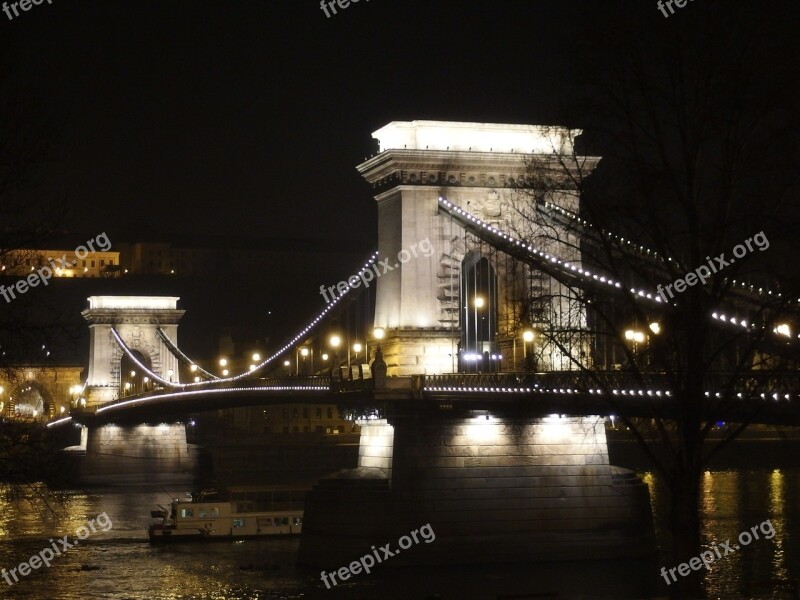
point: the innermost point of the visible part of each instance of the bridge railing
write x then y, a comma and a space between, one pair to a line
767, 382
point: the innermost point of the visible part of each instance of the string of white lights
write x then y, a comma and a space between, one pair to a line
178, 353
552, 261
231, 390
300, 336
644, 251
155, 376
592, 391
566, 267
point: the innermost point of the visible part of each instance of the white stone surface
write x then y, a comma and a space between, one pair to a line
476, 137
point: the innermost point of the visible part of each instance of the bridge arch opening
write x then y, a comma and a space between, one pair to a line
30, 402
132, 379
478, 300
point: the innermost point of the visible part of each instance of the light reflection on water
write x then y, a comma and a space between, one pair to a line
735, 501
127, 568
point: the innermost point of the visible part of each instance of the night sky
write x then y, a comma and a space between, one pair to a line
224, 117
247, 118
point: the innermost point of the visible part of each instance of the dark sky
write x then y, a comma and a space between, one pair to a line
248, 117
251, 115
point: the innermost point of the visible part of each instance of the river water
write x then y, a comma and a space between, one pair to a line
119, 563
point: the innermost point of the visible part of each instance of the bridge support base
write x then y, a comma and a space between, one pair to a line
135, 454
503, 489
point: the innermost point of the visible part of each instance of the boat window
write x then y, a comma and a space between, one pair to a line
238, 522
186, 512
297, 520
283, 520
265, 522
215, 512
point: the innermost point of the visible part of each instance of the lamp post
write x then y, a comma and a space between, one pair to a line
335, 341
304, 352
527, 337
477, 303
636, 337
378, 334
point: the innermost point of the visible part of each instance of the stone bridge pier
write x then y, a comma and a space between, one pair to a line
508, 487
134, 455
131, 454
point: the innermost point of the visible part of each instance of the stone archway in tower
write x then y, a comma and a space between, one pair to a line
29, 401
478, 310
132, 380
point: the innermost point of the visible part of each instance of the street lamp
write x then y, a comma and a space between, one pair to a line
783, 329
304, 352
256, 357
655, 327
478, 302
637, 337
335, 341
357, 348
527, 337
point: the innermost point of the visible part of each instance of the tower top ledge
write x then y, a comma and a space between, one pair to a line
134, 302
475, 137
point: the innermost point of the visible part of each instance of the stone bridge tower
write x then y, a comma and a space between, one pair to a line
495, 478
423, 303
137, 320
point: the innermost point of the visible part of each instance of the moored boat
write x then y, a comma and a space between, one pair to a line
245, 514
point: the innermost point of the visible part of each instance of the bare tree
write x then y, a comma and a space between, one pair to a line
699, 149
30, 326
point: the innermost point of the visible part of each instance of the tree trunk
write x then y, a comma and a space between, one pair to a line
684, 525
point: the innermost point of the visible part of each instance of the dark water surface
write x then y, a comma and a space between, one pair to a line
120, 564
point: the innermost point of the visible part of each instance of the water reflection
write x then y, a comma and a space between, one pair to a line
733, 502
128, 568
